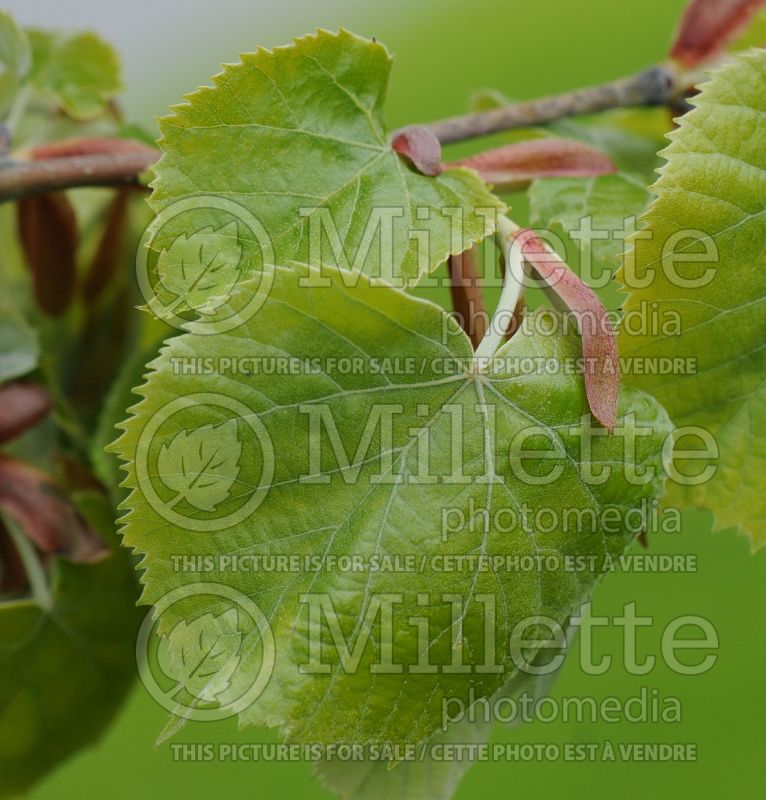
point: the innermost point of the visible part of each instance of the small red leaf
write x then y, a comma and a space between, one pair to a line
48, 232
418, 145
22, 406
45, 515
601, 368
513, 166
707, 26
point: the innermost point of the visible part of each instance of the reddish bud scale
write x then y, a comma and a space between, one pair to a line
513, 166
707, 26
601, 365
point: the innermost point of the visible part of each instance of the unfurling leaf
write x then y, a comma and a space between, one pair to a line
201, 270
707, 26
201, 465
514, 166
421, 148
22, 406
45, 514
48, 233
599, 348
701, 261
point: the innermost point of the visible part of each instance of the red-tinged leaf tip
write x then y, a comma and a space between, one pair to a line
22, 406
707, 26
45, 515
419, 146
601, 365
88, 147
48, 233
513, 166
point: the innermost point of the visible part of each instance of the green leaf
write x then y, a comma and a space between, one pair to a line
15, 60
66, 669
431, 778
370, 493
81, 72
713, 187
19, 348
302, 128
201, 270
589, 216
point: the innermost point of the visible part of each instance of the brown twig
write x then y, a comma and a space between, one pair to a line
118, 166
654, 87
22, 178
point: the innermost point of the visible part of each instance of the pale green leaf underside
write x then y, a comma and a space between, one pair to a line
301, 127
560, 205
715, 182
356, 514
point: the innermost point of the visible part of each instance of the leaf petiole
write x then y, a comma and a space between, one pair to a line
513, 289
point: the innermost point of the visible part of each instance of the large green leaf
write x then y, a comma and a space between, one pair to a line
714, 186
372, 494
65, 668
302, 128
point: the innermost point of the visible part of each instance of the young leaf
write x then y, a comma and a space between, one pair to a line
371, 491
296, 137
514, 166
80, 72
701, 259
708, 26
66, 669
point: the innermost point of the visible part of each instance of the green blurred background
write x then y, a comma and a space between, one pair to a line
444, 50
